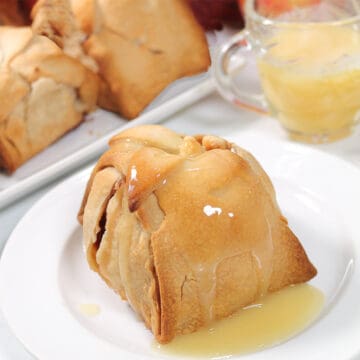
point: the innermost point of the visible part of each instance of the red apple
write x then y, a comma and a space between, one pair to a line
29, 4
277, 7
212, 14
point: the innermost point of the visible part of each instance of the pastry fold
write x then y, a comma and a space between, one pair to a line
141, 46
44, 89
186, 229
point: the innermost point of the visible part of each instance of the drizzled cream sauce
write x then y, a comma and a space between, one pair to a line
272, 320
89, 309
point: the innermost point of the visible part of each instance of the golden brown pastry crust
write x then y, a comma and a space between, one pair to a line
141, 46
187, 229
44, 93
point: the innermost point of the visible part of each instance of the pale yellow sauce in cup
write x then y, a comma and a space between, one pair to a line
311, 79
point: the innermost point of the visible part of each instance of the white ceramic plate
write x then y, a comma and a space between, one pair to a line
44, 277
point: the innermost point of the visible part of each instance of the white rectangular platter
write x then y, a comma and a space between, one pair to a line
91, 137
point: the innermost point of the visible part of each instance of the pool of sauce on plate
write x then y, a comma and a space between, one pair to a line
89, 309
272, 320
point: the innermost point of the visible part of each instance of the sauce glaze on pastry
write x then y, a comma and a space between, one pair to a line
187, 229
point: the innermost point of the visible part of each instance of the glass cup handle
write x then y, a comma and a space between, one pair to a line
225, 69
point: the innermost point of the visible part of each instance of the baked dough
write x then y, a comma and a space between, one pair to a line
141, 46
44, 90
187, 229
